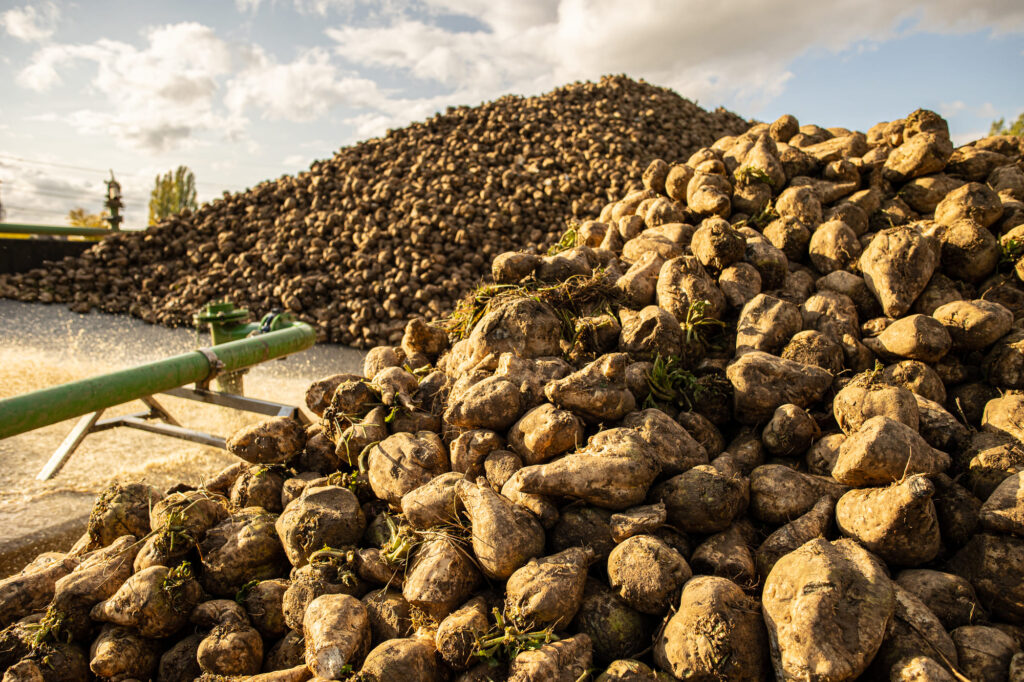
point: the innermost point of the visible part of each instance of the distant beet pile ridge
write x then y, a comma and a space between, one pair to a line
763, 418
395, 227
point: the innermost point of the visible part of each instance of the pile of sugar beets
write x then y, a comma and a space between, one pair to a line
761, 418
394, 227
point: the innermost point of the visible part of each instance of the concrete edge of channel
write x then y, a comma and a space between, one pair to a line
59, 537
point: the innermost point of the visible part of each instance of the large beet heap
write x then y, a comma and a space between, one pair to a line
395, 227
764, 414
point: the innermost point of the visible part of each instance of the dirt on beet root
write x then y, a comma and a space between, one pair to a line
759, 415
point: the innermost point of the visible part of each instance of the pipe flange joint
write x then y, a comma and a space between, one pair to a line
216, 367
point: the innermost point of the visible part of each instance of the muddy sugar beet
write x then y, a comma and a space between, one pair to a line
396, 227
759, 416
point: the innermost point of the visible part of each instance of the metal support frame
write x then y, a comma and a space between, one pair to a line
158, 420
54, 404
244, 346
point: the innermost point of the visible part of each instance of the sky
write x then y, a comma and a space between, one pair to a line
245, 90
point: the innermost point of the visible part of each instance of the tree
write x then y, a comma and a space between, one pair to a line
1016, 128
77, 217
172, 194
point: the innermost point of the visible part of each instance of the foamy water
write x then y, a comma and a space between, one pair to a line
44, 346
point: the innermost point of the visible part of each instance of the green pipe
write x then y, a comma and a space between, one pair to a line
55, 404
64, 230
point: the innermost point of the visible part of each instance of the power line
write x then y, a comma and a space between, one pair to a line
50, 163
34, 209
84, 195
88, 169
81, 194
34, 212
101, 170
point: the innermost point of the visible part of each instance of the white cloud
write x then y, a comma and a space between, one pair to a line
948, 109
501, 15
302, 90
455, 59
968, 136
370, 124
296, 161
521, 13
31, 23
985, 110
736, 52
154, 97
185, 85
999, 16
348, 8
43, 71
37, 195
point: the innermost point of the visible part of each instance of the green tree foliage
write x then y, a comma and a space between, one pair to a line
77, 217
1000, 128
172, 193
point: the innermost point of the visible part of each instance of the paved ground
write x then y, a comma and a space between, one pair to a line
43, 345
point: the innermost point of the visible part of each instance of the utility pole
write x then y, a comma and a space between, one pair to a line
114, 203
3, 211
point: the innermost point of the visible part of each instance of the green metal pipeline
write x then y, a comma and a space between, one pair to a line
61, 230
51, 405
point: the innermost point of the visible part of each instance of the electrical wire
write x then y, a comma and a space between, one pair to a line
34, 211
22, 159
32, 208
39, 162
83, 194
63, 192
